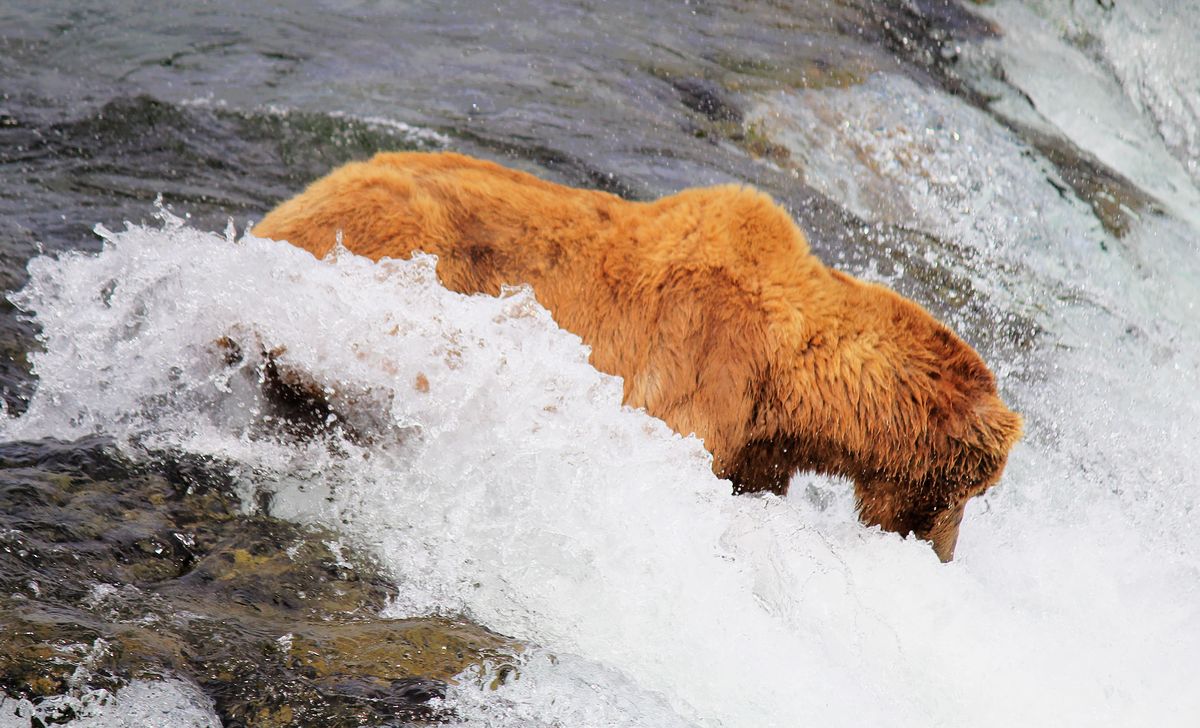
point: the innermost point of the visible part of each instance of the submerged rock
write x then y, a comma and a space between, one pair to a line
112, 571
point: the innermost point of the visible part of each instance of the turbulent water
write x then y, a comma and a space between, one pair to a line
497, 476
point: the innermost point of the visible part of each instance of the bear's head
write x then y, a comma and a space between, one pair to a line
930, 429
877, 390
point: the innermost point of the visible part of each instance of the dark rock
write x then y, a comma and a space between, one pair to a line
112, 570
707, 98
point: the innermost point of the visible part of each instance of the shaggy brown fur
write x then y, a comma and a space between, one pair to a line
721, 322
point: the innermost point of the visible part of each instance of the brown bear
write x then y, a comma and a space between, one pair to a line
720, 320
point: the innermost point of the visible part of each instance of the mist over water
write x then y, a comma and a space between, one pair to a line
497, 476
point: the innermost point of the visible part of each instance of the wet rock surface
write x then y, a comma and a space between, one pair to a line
111, 571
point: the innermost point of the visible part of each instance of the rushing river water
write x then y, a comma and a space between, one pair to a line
1030, 171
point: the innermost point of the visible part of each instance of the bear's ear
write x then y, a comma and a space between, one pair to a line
998, 428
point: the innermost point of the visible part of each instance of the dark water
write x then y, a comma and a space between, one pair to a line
226, 108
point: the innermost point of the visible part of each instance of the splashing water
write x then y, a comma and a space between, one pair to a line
505, 481
163, 704
1119, 79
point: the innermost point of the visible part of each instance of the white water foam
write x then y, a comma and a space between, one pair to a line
518, 491
1119, 79
895, 152
140, 704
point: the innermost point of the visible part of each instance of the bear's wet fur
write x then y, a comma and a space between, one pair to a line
712, 308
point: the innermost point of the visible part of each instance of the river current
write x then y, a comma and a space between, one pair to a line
1030, 171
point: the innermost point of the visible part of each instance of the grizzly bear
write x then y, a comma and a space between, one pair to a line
720, 320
